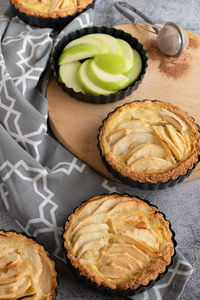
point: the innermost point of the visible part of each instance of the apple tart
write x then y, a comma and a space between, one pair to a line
26, 269
119, 242
149, 142
46, 13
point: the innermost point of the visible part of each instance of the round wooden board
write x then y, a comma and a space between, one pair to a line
177, 80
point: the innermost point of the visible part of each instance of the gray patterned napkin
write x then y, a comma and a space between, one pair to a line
40, 181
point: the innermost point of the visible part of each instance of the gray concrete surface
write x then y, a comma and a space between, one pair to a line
181, 204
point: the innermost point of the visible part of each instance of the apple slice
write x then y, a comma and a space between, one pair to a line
101, 45
145, 150
173, 119
68, 75
150, 163
135, 71
127, 142
112, 43
113, 63
78, 52
106, 80
87, 85
127, 52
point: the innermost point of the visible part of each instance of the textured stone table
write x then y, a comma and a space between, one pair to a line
181, 204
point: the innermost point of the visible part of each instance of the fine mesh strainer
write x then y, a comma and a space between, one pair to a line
171, 38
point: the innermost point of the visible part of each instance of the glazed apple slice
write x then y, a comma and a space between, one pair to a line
68, 75
111, 82
100, 44
147, 150
161, 134
89, 229
126, 261
16, 289
116, 135
132, 140
87, 85
173, 119
113, 271
151, 163
9, 259
176, 137
132, 123
131, 250
145, 236
78, 52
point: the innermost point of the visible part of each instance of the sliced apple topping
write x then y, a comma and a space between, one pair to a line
148, 164
89, 229
116, 135
123, 238
15, 289
125, 261
144, 235
123, 245
132, 123
161, 134
10, 259
176, 138
148, 137
92, 245
113, 271
22, 269
146, 150
188, 141
173, 119
130, 141
132, 250
61, 4
89, 256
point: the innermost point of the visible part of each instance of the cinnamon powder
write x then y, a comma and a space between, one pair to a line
193, 43
174, 67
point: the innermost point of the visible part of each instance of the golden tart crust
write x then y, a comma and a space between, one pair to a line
150, 141
50, 8
26, 269
118, 241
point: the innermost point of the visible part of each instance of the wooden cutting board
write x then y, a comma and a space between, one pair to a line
176, 80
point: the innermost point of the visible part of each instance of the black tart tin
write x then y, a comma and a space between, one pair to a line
49, 255
138, 184
55, 23
117, 292
117, 33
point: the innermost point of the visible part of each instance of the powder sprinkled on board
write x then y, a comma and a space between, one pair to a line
193, 43
174, 67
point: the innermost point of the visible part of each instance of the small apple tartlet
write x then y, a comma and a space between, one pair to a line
50, 13
149, 144
27, 271
119, 242
99, 64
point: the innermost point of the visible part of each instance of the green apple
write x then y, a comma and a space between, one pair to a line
113, 63
78, 52
112, 82
102, 46
134, 73
112, 43
68, 75
127, 52
87, 85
